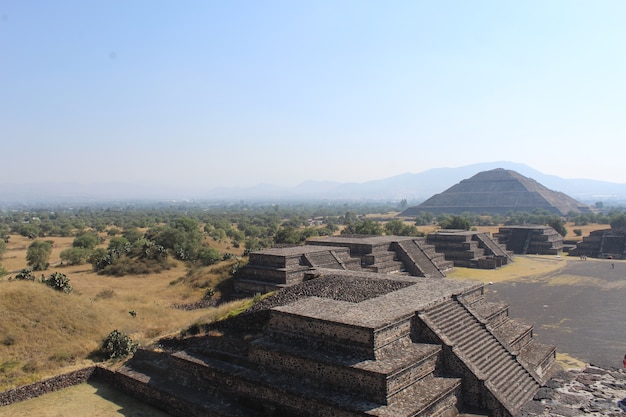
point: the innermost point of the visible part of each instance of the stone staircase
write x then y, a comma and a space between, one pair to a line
516, 336
502, 375
419, 258
383, 262
325, 259
493, 248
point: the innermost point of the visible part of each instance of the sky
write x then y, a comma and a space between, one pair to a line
239, 93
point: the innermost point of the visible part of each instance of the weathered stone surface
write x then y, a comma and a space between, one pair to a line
592, 391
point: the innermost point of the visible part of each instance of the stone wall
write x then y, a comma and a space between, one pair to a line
27, 392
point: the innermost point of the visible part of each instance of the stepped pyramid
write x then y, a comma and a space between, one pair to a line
348, 344
497, 192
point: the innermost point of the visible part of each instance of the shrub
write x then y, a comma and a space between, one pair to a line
118, 345
578, 232
209, 256
105, 294
25, 274
8, 340
59, 282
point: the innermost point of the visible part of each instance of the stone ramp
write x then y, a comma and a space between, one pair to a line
416, 260
324, 259
503, 375
493, 248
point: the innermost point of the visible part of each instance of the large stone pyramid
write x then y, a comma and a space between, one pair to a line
497, 192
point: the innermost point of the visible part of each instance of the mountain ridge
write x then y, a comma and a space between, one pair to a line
413, 187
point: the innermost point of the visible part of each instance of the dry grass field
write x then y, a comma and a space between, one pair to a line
100, 399
45, 332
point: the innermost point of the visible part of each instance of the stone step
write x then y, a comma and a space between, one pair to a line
469, 336
276, 394
175, 399
540, 358
479, 346
493, 363
488, 351
379, 379
443, 311
432, 396
330, 335
519, 390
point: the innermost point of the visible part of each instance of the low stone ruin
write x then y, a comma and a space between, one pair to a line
606, 243
469, 249
533, 240
350, 343
275, 268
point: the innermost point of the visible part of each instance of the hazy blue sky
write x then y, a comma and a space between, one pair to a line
247, 92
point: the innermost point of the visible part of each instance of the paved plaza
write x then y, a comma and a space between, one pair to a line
580, 308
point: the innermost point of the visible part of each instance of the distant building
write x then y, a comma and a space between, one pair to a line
497, 192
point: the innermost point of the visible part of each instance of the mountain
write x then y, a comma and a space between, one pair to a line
412, 187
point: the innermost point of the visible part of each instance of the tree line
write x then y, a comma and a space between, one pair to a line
145, 239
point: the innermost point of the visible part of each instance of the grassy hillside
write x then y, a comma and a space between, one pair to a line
44, 332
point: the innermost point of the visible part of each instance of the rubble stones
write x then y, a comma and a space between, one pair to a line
592, 391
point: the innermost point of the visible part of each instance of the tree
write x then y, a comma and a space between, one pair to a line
86, 241
368, 227
132, 234
399, 228
288, 235
30, 230
99, 259
74, 256
455, 222
424, 218
618, 222
38, 254
557, 224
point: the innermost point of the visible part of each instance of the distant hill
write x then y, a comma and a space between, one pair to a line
412, 187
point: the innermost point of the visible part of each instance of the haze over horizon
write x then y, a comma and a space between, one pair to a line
241, 93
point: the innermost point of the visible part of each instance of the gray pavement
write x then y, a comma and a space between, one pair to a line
581, 309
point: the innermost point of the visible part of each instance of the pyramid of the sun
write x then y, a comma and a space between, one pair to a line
497, 192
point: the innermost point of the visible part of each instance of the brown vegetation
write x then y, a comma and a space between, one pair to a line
45, 332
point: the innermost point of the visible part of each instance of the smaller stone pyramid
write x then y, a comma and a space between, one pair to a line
497, 192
